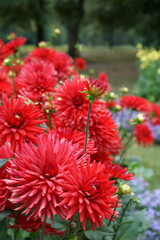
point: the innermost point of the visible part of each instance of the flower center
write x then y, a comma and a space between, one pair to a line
16, 120
50, 171
91, 189
78, 100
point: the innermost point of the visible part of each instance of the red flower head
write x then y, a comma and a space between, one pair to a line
36, 176
103, 77
18, 122
89, 192
135, 102
154, 115
71, 105
117, 172
5, 153
80, 63
76, 137
143, 135
11, 47
33, 225
37, 78
62, 63
103, 131
96, 87
5, 85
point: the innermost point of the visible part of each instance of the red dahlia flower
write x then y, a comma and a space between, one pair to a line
103, 76
33, 225
155, 114
76, 137
10, 47
143, 135
5, 153
103, 131
36, 176
96, 87
80, 63
18, 122
71, 105
37, 78
135, 102
88, 191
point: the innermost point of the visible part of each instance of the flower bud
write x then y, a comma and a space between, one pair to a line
112, 95
7, 62
57, 31
140, 118
42, 44
126, 190
124, 90
117, 107
11, 74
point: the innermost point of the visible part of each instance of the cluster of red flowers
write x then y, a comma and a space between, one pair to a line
148, 115
49, 173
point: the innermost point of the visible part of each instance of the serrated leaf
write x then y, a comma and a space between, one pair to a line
5, 213
3, 161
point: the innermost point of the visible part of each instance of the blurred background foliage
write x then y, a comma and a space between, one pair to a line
90, 22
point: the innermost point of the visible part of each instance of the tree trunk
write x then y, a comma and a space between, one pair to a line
73, 27
40, 33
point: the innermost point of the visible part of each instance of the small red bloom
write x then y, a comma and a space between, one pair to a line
117, 172
33, 225
143, 135
36, 176
9, 48
96, 87
80, 63
135, 102
154, 114
103, 76
18, 122
87, 190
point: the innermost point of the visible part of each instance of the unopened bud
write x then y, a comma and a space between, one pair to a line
42, 44
57, 31
118, 107
112, 95
11, 74
126, 190
124, 90
7, 62
140, 118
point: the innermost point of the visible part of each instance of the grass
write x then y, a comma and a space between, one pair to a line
150, 158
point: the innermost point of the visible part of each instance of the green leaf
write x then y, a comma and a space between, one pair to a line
59, 224
3, 230
101, 233
3, 161
131, 229
5, 213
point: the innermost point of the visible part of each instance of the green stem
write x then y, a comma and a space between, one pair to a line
43, 229
49, 120
126, 145
87, 126
113, 214
38, 234
120, 221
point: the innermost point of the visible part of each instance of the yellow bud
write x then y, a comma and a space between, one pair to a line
126, 190
112, 95
117, 107
57, 31
42, 44
140, 117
